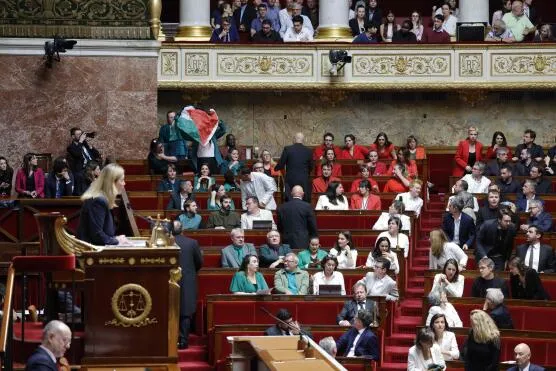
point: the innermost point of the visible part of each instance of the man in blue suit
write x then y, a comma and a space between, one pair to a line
359, 341
56, 339
458, 226
523, 359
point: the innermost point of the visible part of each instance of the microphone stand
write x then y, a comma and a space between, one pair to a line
303, 345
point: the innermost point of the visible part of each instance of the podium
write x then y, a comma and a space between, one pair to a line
131, 303
261, 353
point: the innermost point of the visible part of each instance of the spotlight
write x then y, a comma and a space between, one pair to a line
338, 59
52, 49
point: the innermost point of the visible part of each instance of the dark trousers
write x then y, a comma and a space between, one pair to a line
499, 263
185, 327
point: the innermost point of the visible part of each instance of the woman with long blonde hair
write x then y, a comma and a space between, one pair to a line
442, 250
96, 224
482, 347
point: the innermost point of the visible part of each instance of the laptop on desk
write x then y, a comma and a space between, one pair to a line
265, 225
330, 290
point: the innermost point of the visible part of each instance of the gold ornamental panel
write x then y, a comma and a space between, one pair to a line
470, 65
196, 64
300, 65
540, 64
131, 305
402, 65
169, 63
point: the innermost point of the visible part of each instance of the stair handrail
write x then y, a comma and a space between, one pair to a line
7, 323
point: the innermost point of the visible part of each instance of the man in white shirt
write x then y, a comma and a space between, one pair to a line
259, 185
397, 208
359, 341
476, 181
254, 213
286, 20
411, 199
535, 255
297, 33
378, 283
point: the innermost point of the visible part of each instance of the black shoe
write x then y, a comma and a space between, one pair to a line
182, 344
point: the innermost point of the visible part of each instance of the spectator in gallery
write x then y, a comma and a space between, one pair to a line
80, 151
416, 152
494, 305
444, 338
170, 182
359, 341
374, 13
542, 185
364, 199
529, 137
487, 279
233, 163
403, 156
379, 283
404, 34
158, 161
370, 36
397, 209
376, 167
443, 250
450, 280
203, 181
483, 343
495, 239
244, 15
396, 237
190, 219
506, 181
538, 218
91, 172
528, 194
254, 212
272, 253
525, 283
476, 181
226, 34
312, 256
388, 27
232, 255
352, 151
357, 24
291, 280
224, 218
168, 136
333, 199
384, 148
29, 180
297, 33
439, 304
506, 8
327, 142
257, 23
364, 175
344, 250
330, 159
320, 183
6, 176
518, 23
248, 280
286, 19
185, 192
382, 249
454, 10
498, 141
417, 27
436, 34
411, 199
499, 33
273, 13
544, 34
450, 20
219, 12
60, 181
329, 275
266, 35
469, 152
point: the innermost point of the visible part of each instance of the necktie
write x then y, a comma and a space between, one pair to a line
530, 257
361, 306
58, 188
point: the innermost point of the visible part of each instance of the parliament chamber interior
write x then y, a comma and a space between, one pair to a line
421, 132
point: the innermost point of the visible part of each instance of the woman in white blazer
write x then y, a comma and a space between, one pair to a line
445, 339
425, 353
333, 199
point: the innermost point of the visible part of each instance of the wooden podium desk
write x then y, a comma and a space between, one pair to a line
131, 308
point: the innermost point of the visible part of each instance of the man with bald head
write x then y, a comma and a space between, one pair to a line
56, 339
523, 359
296, 220
297, 160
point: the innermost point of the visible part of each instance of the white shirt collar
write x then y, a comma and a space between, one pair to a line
49, 352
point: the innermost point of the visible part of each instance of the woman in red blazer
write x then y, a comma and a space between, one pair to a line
353, 151
29, 171
385, 149
469, 151
376, 168
330, 159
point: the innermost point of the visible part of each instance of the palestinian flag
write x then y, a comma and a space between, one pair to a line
197, 125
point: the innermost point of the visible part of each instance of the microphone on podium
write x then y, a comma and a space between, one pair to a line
301, 343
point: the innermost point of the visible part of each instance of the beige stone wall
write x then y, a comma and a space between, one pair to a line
269, 120
115, 96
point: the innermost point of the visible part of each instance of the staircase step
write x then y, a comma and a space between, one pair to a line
195, 339
416, 282
194, 353
395, 353
414, 293
394, 366
406, 324
195, 366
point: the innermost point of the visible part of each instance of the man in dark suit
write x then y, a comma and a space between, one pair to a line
458, 226
56, 339
177, 199
542, 185
542, 258
191, 260
538, 217
495, 239
523, 359
347, 315
506, 182
281, 329
80, 152
244, 15
59, 182
359, 341
493, 166
297, 160
374, 13
296, 220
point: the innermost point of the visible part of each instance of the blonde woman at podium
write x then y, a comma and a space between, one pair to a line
96, 224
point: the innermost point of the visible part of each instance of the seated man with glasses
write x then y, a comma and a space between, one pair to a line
291, 280
378, 283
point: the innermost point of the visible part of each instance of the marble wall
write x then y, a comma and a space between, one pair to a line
115, 96
268, 120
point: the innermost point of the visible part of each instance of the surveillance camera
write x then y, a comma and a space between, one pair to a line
338, 59
52, 49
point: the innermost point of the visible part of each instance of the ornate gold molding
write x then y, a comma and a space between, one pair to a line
334, 33
68, 242
543, 64
247, 64
193, 33
395, 65
155, 9
131, 305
